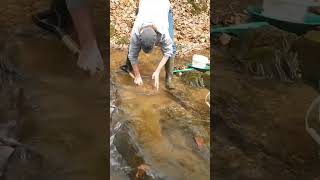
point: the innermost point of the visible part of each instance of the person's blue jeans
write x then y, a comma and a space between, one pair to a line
171, 30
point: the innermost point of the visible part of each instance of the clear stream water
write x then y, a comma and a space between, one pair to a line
68, 119
161, 139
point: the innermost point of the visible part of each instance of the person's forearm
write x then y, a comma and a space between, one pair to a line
83, 24
162, 63
136, 70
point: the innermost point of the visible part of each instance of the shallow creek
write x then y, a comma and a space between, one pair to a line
156, 126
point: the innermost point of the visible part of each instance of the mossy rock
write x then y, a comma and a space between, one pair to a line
206, 79
196, 79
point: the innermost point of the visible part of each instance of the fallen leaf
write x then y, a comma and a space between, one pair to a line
142, 170
199, 141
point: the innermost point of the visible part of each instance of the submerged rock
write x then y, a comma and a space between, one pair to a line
128, 148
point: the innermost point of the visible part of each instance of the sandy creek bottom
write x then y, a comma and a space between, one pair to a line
66, 118
162, 140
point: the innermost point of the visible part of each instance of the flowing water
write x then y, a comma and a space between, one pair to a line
159, 132
67, 119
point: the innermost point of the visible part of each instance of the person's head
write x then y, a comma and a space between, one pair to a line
148, 37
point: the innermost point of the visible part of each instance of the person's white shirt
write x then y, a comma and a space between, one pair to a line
153, 12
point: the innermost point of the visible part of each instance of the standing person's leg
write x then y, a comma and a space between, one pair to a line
171, 30
89, 57
170, 63
128, 67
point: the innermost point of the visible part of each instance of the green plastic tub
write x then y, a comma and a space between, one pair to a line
311, 21
257, 20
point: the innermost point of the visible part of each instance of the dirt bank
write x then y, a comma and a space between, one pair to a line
259, 130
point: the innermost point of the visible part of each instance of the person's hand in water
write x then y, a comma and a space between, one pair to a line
138, 80
90, 59
137, 76
155, 77
156, 74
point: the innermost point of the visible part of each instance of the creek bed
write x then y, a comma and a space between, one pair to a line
157, 130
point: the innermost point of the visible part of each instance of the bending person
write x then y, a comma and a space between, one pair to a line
152, 27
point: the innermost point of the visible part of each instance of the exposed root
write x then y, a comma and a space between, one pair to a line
267, 53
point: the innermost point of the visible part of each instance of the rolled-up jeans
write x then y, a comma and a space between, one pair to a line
171, 30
